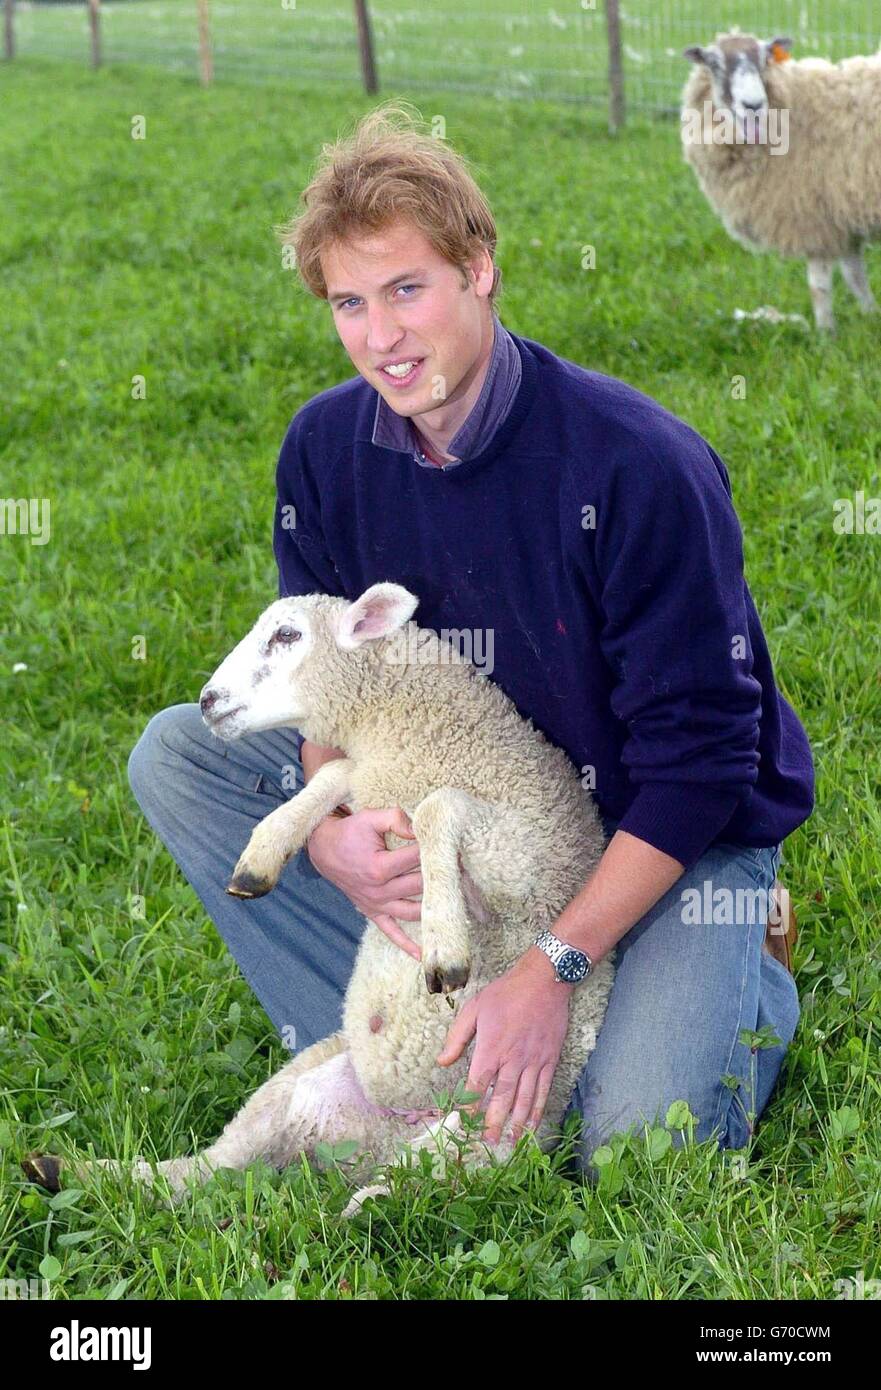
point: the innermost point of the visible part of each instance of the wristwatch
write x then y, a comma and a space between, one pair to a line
572, 966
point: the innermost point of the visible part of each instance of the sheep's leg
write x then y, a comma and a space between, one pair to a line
853, 270
446, 1138
820, 283
468, 851
297, 1110
439, 1137
438, 824
263, 1128
285, 830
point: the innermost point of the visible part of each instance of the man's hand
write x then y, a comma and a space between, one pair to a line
520, 1022
380, 882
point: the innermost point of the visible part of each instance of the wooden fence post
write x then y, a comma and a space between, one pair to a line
95, 28
206, 61
365, 45
616, 72
8, 29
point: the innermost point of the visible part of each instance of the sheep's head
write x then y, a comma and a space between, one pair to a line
737, 65
275, 677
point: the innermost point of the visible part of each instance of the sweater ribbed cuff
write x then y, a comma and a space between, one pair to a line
679, 818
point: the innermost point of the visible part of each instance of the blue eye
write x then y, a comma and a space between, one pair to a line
409, 287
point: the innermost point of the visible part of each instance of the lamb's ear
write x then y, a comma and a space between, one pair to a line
777, 49
696, 54
381, 609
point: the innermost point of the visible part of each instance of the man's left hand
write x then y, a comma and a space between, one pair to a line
520, 1023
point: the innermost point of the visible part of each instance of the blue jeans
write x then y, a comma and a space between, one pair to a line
682, 992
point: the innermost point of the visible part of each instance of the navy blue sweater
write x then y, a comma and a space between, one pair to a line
595, 537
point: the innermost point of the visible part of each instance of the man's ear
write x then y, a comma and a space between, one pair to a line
380, 610
481, 273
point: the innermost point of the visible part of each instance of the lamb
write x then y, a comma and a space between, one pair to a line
507, 837
814, 191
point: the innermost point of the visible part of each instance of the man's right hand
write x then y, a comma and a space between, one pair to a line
380, 882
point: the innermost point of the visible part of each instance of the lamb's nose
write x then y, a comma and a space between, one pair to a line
207, 701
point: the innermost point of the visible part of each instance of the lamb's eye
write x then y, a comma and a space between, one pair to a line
285, 635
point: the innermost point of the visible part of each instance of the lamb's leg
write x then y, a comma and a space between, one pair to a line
445, 1138
263, 1128
853, 270
438, 823
286, 829
437, 1137
468, 850
820, 283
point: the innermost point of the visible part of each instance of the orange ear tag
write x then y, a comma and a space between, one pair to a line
779, 54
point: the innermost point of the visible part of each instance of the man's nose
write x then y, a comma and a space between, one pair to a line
383, 331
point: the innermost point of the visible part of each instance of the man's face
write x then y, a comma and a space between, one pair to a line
395, 300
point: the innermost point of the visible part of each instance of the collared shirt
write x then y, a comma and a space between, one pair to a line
500, 386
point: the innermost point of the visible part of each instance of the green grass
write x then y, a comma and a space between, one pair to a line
512, 48
126, 1025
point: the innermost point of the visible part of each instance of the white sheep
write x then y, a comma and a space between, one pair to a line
506, 833
787, 153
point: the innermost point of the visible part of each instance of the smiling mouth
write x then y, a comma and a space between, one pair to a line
399, 379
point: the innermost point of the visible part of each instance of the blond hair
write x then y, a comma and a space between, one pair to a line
385, 170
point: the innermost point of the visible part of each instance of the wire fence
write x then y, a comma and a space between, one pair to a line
505, 48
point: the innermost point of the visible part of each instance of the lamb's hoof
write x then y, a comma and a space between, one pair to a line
43, 1169
355, 1203
442, 980
247, 885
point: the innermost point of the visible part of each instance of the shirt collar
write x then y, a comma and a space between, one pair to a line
500, 386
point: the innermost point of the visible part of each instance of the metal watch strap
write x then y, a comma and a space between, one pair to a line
555, 950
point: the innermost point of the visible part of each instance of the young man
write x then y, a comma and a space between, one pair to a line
593, 536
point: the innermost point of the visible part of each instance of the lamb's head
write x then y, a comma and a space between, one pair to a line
292, 664
737, 65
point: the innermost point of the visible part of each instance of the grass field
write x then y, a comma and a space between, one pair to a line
126, 1026
512, 48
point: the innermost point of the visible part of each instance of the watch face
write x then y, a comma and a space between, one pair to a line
572, 967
